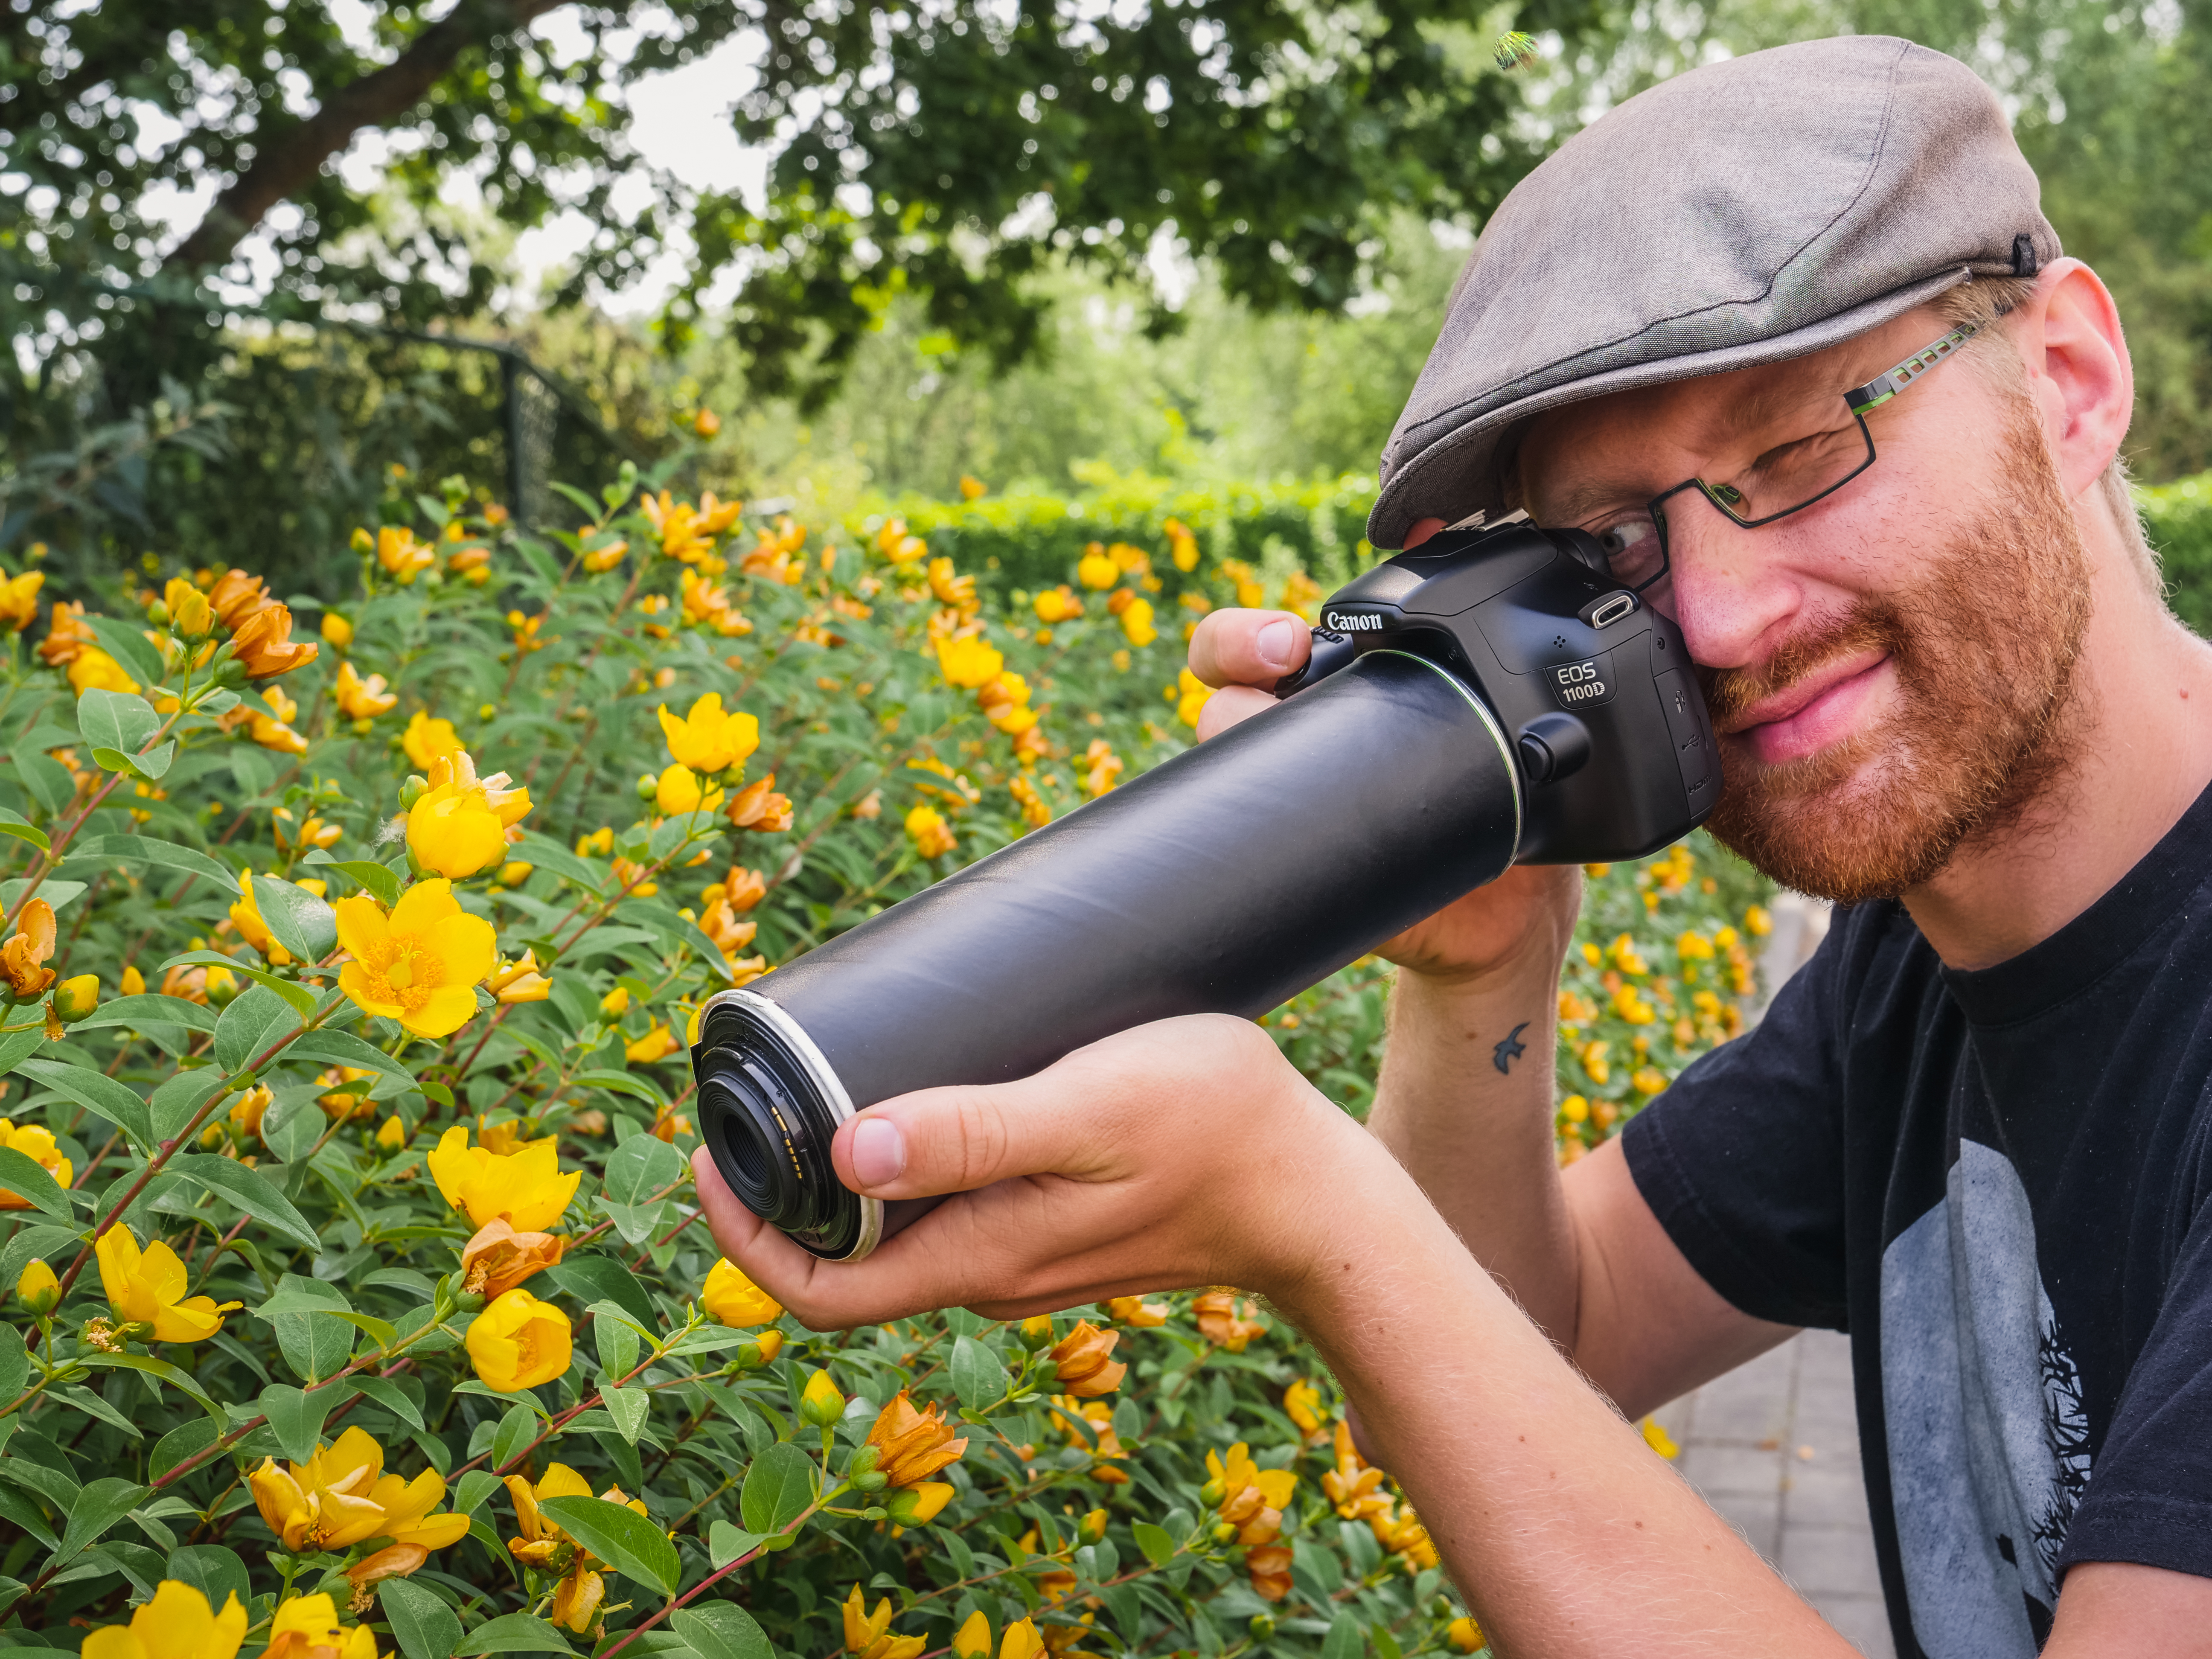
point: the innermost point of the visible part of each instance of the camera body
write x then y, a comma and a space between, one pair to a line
1610, 730
1490, 699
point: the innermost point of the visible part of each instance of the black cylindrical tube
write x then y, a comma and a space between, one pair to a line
1224, 881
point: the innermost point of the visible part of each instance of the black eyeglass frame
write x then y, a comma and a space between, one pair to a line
1859, 399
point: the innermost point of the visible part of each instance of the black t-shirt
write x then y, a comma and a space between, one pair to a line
1996, 1182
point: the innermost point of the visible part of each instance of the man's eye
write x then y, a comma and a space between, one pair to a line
1631, 538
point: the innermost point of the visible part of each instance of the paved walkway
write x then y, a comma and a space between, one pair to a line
1774, 1446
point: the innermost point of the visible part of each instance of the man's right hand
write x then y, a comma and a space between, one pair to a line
1518, 924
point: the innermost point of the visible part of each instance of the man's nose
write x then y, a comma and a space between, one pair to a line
1726, 586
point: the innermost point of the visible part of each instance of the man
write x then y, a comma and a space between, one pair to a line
1791, 336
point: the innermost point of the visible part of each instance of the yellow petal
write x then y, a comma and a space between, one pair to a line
467, 946
443, 1013
423, 906
362, 924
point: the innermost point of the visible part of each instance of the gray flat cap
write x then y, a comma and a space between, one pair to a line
1743, 213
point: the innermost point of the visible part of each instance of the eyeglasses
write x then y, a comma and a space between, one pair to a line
1786, 479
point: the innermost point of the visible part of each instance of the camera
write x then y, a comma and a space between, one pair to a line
1493, 697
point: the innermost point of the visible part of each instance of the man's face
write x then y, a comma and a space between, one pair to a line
1887, 669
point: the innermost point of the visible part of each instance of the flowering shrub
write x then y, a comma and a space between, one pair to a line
360, 1303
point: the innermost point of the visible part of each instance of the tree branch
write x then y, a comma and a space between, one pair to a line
290, 158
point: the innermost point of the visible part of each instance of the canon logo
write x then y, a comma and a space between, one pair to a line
1353, 622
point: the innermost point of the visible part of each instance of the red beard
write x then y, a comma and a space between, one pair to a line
1983, 647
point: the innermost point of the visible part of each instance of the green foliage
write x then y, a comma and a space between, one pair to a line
623, 1449
2179, 519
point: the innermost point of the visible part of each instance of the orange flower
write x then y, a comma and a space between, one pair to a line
913, 1445
1134, 1310
1269, 1569
758, 806
499, 1258
1220, 1322
236, 595
1082, 1361
362, 699
264, 643
21, 957
1302, 1404
720, 923
1352, 1486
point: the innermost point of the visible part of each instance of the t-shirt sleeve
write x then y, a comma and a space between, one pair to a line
2149, 1494
1742, 1158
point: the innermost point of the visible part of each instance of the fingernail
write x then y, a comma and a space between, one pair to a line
878, 1151
1274, 643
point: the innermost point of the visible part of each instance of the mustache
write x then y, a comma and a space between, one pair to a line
1870, 625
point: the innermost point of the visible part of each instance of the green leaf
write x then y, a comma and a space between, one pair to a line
421, 1623
778, 1488
178, 1379
472, 1488
59, 1489
21, 1176
380, 880
621, 1537
314, 1347
1346, 1638
388, 1394
117, 720
977, 1377
301, 923
640, 1166
119, 1105
179, 1443
15, 824
591, 1278
628, 1407
345, 1049
15, 1363
58, 894
179, 1098
47, 778
143, 849
150, 1009
617, 1343
249, 1025
128, 646
725, 1543
98, 1507
215, 1572
722, 1630
537, 850
512, 1633
17, 1046
622, 1083
250, 1190
296, 1416
1158, 1547
517, 1429
298, 995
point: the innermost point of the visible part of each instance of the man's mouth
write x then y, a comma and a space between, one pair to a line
1815, 710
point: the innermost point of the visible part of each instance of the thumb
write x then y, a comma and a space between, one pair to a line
958, 1139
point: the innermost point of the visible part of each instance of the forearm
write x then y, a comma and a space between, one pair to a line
1567, 1534
1476, 1133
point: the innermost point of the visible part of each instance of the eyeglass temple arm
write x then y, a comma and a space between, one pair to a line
1887, 384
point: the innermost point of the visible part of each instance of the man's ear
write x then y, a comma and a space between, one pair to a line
2070, 342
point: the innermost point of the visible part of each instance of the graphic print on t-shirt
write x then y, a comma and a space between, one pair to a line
1988, 1440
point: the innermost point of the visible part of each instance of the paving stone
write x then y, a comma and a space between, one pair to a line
1715, 1469
1862, 1621
1757, 1516
1830, 1560
1826, 1494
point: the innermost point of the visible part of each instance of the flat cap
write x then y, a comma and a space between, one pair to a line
1745, 212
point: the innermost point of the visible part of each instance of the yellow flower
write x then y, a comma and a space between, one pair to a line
519, 981
1083, 1361
1021, 1641
519, 1342
23, 958
972, 487
392, 1134
1191, 695
706, 423
656, 1044
918, 1505
1137, 622
362, 699
577, 1599
459, 827
341, 1495
525, 1189
866, 1633
1757, 922
1658, 1439
1649, 1080
973, 1639
1302, 1404
337, 631
734, 1300
36, 1288
306, 1627
678, 790
401, 555
93, 670
133, 982
1575, 1110
931, 836
820, 1403
148, 1288
912, 1445
1466, 1636
1097, 569
709, 739
246, 914
36, 1142
969, 662
19, 600
1058, 605
419, 963
176, 1624
426, 740
616, 1002
1182, 545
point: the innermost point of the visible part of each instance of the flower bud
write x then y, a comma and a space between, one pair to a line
873, 1480
337, 631
1262, 1627
760, 1350
76, 999
1466, 1636
1212, 1493
649, 784
1224, 1532
1092, 1527
158, 614
413, 790
191, 619
917, 1506
1037, 1332
134, 982
38, 1290
821, 1405
212, 1136
864, 1462
222, 987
